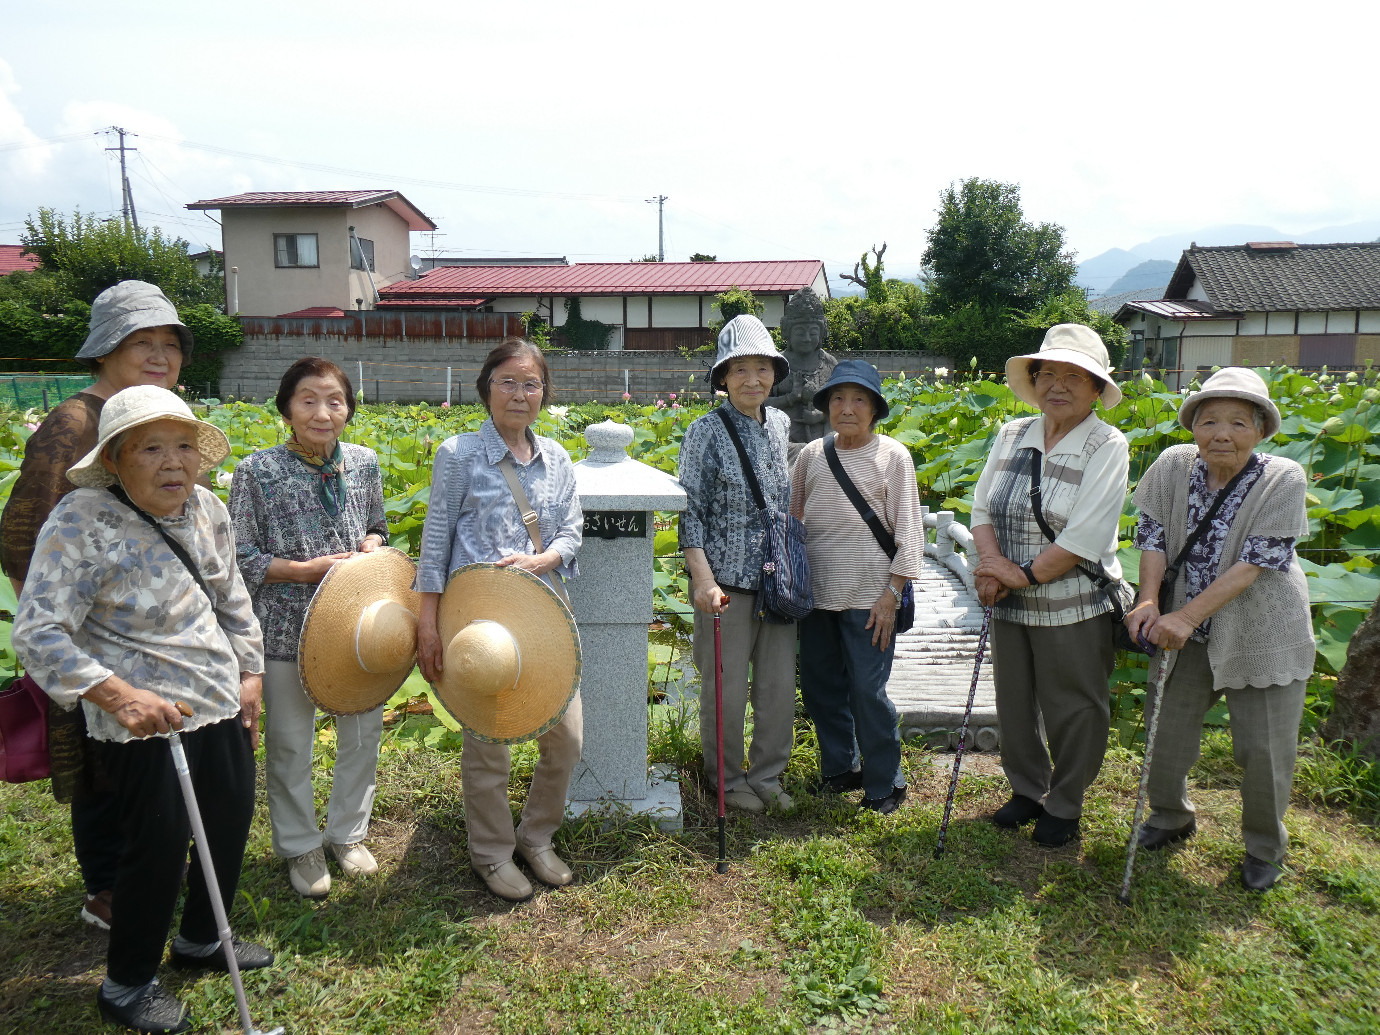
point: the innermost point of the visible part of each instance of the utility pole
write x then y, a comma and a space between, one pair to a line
660, 202
127, 195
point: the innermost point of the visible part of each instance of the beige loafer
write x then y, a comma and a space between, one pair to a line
505, 880
355, 860
744, 799
309, 875
546, 865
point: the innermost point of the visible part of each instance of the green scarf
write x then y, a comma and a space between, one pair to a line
331, 489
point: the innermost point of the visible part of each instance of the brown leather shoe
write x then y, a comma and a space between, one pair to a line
96, 911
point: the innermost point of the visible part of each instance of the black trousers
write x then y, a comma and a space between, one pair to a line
157, 834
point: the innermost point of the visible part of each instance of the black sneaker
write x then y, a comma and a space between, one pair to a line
154, 1010
1017, 812
849, 781
886, 806
247, 955
1052, 831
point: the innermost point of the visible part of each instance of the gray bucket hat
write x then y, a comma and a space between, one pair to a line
855, 372
745, 336
1234, 383
129, 306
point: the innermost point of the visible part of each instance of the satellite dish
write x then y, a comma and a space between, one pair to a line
415, 262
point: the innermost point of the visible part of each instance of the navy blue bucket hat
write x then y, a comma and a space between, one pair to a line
855, 372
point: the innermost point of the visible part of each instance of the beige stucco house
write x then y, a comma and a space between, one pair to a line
291, 250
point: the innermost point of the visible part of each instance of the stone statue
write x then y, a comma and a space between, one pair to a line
804, 331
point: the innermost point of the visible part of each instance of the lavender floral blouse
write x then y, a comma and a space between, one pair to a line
1204, 561
106, 596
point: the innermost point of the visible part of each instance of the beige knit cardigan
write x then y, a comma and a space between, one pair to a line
1264, 636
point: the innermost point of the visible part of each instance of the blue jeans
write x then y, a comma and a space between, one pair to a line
843, 684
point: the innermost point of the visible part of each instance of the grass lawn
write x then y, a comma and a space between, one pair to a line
827, 920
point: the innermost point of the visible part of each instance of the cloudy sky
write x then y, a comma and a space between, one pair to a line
775, 130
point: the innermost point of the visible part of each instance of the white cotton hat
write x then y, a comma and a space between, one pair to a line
745, 336
144, 404
1233, 383
129, 306
1074, 343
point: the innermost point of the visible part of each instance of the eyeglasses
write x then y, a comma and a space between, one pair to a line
1072, 382
508, 386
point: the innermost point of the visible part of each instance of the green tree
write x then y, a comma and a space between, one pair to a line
983, 252
891, 316
701, 257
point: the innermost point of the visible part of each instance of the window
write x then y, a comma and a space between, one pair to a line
294, 250
361, 253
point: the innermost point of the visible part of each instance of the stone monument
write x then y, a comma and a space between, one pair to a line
804, 331
612, 602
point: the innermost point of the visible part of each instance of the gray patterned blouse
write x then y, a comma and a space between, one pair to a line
721, 517
106, 596
277, 513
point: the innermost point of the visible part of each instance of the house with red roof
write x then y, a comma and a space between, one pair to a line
658, 306
286, 251
13, 259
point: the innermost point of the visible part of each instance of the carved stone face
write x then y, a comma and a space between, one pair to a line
805, 337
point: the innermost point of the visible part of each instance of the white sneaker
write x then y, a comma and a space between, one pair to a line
778, 800
309, 875
746, 799
355, 860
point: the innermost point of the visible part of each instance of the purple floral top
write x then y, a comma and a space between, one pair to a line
1204, 561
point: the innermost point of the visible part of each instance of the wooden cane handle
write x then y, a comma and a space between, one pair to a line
184, 708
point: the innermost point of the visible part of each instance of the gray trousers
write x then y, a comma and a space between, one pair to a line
770, 648
484, 771
1052, 684
1264, 741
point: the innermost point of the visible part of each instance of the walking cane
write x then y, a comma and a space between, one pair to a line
1152, 702
208, 871
722, 867
963, 733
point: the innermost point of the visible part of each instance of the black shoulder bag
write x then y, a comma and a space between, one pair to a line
885, 539
785, 595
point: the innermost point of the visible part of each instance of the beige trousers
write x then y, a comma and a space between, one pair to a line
484, 770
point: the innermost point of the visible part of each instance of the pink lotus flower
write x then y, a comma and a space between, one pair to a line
672, 395
626, 396
445, 405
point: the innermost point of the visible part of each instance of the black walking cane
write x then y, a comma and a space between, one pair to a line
208, 871
1152, 702
722, 867
963, 733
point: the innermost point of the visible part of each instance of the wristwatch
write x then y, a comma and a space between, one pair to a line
895, 593
1028, 568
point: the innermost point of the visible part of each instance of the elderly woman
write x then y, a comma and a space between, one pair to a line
1239, 618
1051, 624
113, 619
858, 571
473, 517
136, 338
299, 508
725, 547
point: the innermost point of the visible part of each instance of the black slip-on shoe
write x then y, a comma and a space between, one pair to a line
1052, 831
1152, 839
247, 955
155, 1010
886, 806
849, 781
1017, 812
1257, 874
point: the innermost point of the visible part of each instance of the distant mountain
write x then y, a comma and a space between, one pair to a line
1152, 273
1101, 272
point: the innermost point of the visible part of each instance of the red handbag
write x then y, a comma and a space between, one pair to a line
23, 731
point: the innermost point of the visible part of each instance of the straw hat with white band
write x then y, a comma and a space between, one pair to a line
359, 636
1074, 343
133, 407
512, 653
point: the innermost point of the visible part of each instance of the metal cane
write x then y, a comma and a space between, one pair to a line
208, 871
963, 733
1152, 702
722, 867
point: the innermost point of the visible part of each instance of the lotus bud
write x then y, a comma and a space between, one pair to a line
1370, 394
1333, 425
953, 424
1362, 406
1307, 390
1351, 376
1335, 400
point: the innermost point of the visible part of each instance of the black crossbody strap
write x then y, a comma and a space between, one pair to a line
748, 472
177, 548
884, 538
1101, 581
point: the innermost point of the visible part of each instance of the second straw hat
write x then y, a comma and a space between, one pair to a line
512, 653
359, 636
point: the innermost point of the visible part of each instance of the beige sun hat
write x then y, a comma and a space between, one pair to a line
512, 653
1234, 383
1074, 343
359, 636
144, 404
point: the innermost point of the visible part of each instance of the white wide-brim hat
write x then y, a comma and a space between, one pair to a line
359, 636
512, 653
1233, 383
1074, 343
145, 404
746, 335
